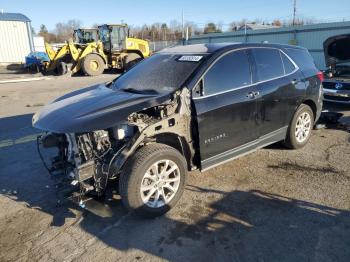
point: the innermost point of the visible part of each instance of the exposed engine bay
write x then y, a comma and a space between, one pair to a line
337, 57
340, 72
90, 159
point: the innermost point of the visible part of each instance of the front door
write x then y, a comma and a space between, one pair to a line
227, 109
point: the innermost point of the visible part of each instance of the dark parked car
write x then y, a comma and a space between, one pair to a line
185, 108
337, 78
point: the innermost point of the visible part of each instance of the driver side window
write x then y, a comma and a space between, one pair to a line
229, 72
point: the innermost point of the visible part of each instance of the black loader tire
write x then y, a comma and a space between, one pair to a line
62, 68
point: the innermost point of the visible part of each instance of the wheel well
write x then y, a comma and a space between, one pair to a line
177, 142
312, 105
136, 52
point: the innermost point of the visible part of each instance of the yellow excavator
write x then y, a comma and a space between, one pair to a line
111, 48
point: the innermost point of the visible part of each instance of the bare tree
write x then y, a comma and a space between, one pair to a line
64, 31
48, 37
234, 25
277, 22
301, 20
211, 28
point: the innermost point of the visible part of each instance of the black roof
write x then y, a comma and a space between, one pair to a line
216, 47
13, 17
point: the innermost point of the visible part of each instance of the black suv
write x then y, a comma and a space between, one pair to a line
185, 108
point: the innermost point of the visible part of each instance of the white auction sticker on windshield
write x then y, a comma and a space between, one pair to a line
191, 58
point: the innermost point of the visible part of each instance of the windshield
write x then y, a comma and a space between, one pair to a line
158, 74
103, 34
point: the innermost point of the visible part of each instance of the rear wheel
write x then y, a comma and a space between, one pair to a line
62, 68
131, 60
299, 131
153, 180
93, 65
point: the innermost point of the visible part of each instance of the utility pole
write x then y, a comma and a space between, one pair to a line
183, 27
294, 14
294, 11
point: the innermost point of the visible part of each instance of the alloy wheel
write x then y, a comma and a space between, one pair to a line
303, 127
160, 183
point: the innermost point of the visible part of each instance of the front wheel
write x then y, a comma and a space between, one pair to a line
62, 68
153, 180
299, 130
93, 65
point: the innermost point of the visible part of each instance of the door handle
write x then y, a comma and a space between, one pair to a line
295, 81
253, 95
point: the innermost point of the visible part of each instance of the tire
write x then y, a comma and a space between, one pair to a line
62, 68
134, 181
93, 65
131, 60
294, 141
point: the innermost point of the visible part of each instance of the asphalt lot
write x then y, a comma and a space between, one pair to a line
272, 205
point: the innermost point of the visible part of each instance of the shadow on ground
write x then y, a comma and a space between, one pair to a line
225, 226
16, 69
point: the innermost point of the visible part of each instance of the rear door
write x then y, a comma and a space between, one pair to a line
278, 88
226, 113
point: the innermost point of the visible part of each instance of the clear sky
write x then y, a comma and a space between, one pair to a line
137, 12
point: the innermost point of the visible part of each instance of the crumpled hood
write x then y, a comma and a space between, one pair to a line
93, 108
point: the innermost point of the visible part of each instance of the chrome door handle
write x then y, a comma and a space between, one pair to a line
253, 95
250, 95
295, 81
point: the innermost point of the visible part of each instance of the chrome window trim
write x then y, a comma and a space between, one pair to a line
296, 68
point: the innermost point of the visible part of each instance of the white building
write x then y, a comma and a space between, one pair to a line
16, 40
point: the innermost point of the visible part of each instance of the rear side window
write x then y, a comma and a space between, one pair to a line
268, 63
302, 58
288, 65
229, 72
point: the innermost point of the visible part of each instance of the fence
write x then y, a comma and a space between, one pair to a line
309, 36
159, 45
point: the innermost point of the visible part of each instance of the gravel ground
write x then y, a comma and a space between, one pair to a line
272, 205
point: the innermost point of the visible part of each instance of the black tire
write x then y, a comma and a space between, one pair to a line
62, 68
131, 60
93, 65
133, 175
291, 139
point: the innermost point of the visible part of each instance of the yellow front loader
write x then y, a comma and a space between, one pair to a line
113, 49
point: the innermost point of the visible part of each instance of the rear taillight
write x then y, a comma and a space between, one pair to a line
320, 76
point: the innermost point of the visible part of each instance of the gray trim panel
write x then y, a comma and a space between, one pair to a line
268, 139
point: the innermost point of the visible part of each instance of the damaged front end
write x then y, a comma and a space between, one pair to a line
83, 159
88, 159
